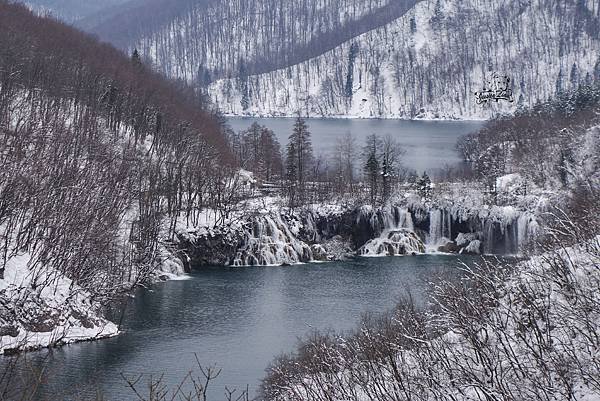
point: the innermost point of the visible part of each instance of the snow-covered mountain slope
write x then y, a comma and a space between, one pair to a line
430, 62
200, 40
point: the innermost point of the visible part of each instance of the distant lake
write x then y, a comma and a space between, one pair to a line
428, 144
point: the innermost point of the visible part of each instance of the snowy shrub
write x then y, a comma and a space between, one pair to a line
504, 332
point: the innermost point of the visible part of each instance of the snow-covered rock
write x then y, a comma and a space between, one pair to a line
474, 248
463, 239
319, 253
43, 308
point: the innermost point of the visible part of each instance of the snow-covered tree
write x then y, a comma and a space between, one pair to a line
390, 155
424, 186
299, 156
371, 165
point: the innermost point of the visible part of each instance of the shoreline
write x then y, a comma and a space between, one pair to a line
349, 117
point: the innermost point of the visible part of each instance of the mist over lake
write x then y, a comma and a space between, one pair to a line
429, 144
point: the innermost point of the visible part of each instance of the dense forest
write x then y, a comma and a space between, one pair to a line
555, 144
192, 39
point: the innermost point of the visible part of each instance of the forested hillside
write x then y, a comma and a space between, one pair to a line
203, 39
362, 58
98, 155
71, 10
430, 62
555, 144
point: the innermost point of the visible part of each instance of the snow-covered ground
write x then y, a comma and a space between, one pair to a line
42, 308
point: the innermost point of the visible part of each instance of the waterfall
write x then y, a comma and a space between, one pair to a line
527, 229
488, 237
395, 218
393, 242
396, 237
276, 239
374, 223
270, 242
501, 230
511, 234
439, 226
403, 219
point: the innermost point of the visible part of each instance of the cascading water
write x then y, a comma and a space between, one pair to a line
385, 219
270, 242
403, 219
527, 230
440, 227
396, 236
489, 238
501, 230
393, 242
435, 227
509, 235
276, 239
519, 233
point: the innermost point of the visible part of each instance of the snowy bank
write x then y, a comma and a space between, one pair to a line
525, 332
42, 308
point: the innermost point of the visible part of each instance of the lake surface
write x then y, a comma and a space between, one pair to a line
237, 318
428, 144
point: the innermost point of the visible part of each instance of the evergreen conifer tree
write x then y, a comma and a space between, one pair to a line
372, 166
299, 157
348, 91
136, 59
